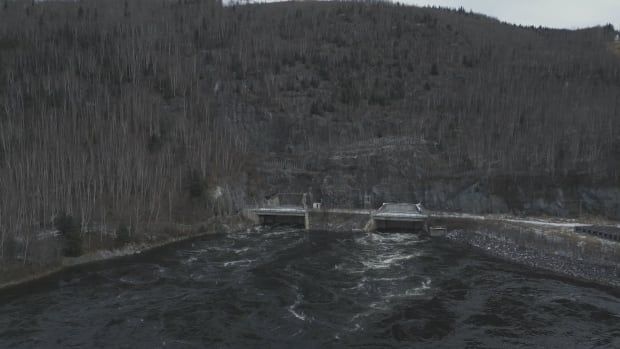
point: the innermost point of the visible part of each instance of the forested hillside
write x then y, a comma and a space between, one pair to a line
140, 113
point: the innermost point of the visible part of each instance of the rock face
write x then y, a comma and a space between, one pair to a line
389, 170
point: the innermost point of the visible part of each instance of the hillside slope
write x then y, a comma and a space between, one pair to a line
141, 113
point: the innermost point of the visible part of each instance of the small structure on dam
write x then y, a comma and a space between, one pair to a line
609, 233
400, 216
295, 216
284, 208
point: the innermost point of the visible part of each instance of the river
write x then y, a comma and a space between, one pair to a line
287, 288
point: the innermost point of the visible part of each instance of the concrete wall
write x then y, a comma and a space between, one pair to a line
389, 225
325, 220
299, 221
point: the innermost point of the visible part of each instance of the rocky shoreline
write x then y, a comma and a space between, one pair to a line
582, 269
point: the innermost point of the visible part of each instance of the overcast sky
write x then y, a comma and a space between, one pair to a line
570, 14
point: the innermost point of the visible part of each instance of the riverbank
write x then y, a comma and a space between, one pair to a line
215, 226
549, 246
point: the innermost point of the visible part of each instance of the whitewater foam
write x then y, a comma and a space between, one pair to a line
299, 315
239, 262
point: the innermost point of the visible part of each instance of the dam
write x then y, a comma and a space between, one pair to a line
388, 217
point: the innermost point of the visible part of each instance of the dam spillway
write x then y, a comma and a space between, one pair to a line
407, 217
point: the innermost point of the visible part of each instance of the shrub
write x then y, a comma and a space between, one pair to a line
316, 108
123, 235
69, 229
434, 69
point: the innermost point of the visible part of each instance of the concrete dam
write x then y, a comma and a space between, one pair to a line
390, 216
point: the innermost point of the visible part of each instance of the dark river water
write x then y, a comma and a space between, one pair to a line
284, 288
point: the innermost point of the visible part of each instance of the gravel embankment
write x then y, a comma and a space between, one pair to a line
507, 249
